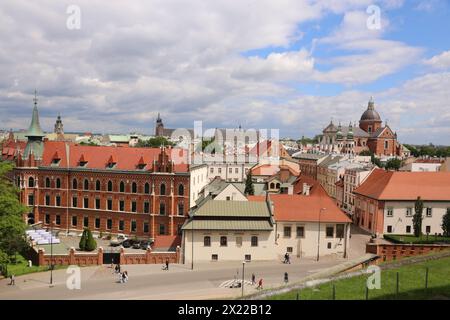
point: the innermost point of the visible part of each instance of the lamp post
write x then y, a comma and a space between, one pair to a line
192, 240
51, 253
243, 276
318, 234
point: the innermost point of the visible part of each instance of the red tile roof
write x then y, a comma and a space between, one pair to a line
301, 208
390, 185
98, 157
270, 170
11, 148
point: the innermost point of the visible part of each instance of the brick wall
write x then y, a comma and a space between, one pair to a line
390, 252
42, 258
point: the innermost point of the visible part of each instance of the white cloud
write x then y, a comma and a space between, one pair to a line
441, 61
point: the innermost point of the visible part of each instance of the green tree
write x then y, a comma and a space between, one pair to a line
209, 145
418, 217
4, 260
12, 225
91, 244
393, 164
366, 153
82, 244
155, 142
376, 161
249, 187
446, 223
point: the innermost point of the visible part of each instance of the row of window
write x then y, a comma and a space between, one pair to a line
410, 211
329, 231
408, 229
109, 224
224, 241
134, 186
109, 204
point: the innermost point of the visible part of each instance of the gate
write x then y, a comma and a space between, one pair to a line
111, 256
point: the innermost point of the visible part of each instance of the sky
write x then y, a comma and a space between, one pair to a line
292, 65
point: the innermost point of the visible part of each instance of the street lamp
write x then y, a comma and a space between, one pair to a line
192, 240
51, 253
243, 277
318, 234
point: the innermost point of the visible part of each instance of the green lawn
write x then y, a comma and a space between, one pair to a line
397, 238
412, 284
21, 267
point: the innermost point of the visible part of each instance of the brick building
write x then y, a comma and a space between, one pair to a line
135, 191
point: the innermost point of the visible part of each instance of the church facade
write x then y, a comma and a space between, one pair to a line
370, 135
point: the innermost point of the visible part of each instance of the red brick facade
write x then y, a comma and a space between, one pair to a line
133, 202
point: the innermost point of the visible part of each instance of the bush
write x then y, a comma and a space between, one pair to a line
83, 239
91, 244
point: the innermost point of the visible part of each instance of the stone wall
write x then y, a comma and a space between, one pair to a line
390, 252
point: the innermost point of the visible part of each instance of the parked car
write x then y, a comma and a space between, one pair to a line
145, 244
129, 243
137, 245
117, 241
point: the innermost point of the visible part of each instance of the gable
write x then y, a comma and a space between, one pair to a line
231, 191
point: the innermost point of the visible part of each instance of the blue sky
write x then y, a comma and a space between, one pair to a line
290, 65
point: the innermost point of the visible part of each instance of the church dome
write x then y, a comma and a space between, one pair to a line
371, 114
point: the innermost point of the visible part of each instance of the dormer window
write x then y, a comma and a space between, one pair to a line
111, 163
56, 159
141, 164
82, 162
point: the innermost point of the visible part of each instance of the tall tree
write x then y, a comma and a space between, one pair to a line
249, 187
418, 217
393, 164
12, 225
446, 223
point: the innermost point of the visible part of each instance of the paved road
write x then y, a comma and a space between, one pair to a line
150, 282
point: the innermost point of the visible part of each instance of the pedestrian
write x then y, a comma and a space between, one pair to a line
288, 258
13, 280
124, 277
118, 268
286, 278
260, 284
167, 264
253, 279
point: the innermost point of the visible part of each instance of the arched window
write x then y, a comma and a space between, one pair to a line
110, 186
30, 182
254, 241
134, 187
58, 183
74, 184
98, 185
47, 182
278, 186
207, 241
181, 190
181, 209
122, 186
163, 189
272, 185
86, 184
147, 188
18, 182
223, 241
162, 208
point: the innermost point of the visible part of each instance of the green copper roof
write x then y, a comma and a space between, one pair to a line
235, 225
35, 128
223, 208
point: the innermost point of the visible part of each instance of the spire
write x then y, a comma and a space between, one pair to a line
35, 128
339, 132
371, 105
350, 131
59, 127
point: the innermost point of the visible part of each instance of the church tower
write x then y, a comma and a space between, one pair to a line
370, 119
59, 128
159, 129
35, 135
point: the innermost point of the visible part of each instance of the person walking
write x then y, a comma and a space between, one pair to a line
124, 277
253, 279
288, 258
260, 284
12, 280
167, 264
286, 278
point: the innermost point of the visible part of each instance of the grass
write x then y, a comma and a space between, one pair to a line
398, 238
21, 267
411, 285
